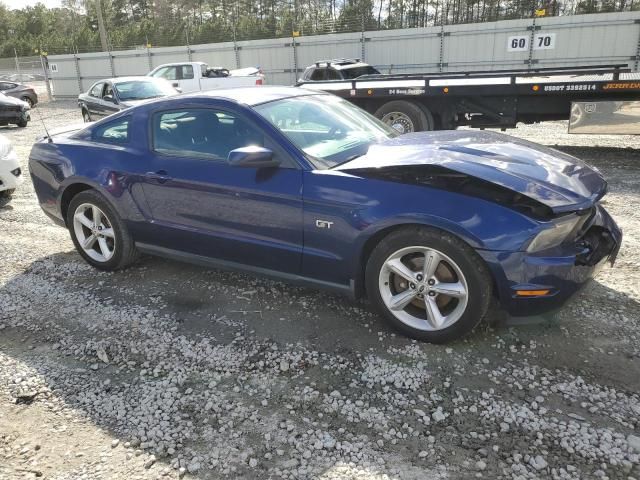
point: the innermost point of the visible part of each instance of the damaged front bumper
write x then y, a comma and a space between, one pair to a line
554, 276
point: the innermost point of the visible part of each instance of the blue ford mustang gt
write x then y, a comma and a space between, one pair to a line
304, 186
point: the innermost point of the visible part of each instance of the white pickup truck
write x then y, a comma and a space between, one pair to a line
198, 76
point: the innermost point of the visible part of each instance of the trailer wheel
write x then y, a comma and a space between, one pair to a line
405, 116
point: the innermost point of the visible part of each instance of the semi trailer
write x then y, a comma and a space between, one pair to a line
595, 99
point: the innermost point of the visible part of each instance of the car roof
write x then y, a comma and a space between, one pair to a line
134, 78
128, 79
178, 63
253, 95
339, 64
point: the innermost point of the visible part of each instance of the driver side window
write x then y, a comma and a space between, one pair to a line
209, 134
108, 92
168, 73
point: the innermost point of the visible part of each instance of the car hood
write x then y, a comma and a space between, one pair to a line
561, 182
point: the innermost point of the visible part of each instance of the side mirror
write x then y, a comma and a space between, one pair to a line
175, 84
252, 157
109, 98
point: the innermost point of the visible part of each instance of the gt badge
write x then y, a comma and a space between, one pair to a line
323, 224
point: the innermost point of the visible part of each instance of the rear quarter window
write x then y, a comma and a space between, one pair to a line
319, 74
116, 132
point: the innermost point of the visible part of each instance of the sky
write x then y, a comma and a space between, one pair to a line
17, 4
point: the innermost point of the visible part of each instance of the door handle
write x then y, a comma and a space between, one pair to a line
160, 176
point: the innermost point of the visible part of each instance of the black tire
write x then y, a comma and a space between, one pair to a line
420, 119
5, 196
86, 116
28, 100
124, 253
22, 123
477, 276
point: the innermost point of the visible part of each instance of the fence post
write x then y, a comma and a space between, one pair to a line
111, 64
149, 58
78, 77
295, 58
17, 61
442, 34
188, 46
45, 70
637, 62
531, 40
362, 40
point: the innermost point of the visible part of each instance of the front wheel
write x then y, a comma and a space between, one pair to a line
98, 233
85, 116
22, 123
428, 284
28, 100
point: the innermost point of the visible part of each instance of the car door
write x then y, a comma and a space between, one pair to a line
203, 205
93, 100
109, 101
187, 79
171, 74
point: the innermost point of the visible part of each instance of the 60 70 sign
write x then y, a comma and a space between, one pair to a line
541, 41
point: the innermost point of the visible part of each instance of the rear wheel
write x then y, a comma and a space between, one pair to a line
405, 116
428, 284
98, 233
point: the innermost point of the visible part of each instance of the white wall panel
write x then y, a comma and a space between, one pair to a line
578, 40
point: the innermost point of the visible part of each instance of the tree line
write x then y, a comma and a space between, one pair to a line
140, 23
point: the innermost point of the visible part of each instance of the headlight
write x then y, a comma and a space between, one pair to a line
7, 152
555, 234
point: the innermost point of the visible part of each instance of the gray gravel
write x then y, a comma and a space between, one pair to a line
170, 370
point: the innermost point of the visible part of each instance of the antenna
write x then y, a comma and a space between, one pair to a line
45, 128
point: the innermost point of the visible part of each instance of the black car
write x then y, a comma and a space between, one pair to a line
114, 94
339, 69
13, 111
25, 93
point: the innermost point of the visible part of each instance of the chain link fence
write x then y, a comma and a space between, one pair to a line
31, 71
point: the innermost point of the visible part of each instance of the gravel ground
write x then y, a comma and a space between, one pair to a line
169, 370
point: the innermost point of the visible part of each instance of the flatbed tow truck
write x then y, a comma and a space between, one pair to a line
595, 99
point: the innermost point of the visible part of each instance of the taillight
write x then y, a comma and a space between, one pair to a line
258, 81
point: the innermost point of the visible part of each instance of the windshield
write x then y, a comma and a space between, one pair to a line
359, 71
143, 89
328, 129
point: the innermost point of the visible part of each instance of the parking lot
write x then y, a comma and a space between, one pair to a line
168, 369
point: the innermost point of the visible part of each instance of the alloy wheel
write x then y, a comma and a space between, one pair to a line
400, 121
423, 288
94, 232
